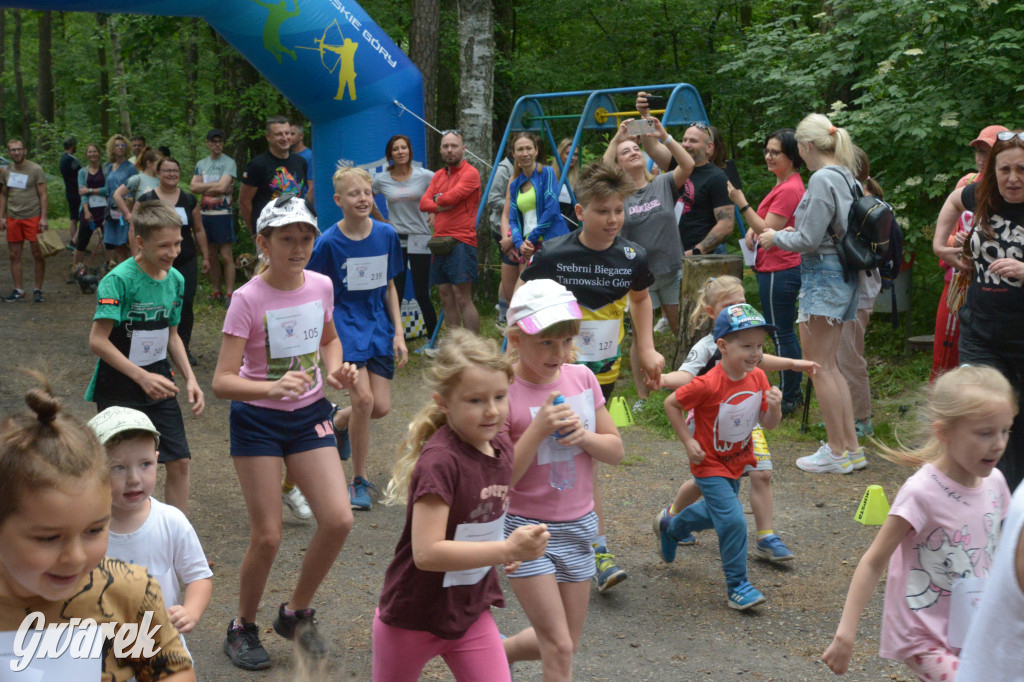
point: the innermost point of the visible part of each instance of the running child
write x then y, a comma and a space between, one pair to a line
54, 514
134, 331
727, 402
560, 426
604, 272
454, 471
943, 525
717, 294
276, 334
145, 531
362, 257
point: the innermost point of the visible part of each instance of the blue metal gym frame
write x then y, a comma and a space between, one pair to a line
683, 107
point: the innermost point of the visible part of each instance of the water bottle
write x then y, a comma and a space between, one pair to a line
562, 472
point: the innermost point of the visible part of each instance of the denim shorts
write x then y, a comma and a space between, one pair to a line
381, 365
115, 233
823, 291
458, 267
220, 228
265, 432
665, 289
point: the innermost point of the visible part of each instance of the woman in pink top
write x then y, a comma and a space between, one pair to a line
778, 271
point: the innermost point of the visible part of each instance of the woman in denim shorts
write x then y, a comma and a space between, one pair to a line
828, 295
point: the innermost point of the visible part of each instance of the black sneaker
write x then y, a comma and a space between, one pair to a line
15, 297
37, 296
302, 628
242, 645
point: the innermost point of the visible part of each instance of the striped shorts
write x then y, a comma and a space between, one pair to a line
570, 554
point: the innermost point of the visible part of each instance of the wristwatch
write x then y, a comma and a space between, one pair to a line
696, 251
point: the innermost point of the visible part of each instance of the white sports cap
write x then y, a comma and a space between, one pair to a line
115, 420
540, 303
285, 210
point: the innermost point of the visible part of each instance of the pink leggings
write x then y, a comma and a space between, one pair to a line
400, 655
934, 665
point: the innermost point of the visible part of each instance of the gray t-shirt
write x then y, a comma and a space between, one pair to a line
496, 197
212, 170
826, 202
404, 200
699, 355
651, 223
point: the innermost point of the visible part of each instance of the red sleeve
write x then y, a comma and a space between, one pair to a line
694, 393
466, 182
427, 203
785, 202
763, 386
436, 473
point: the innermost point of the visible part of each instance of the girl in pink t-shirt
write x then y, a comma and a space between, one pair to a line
558, 423
277, 333
943, 526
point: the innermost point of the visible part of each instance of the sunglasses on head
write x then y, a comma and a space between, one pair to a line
700, 125
1008, 135
451, 131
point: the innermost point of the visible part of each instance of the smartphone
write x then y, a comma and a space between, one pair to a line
655, 101
734, 175
640, 126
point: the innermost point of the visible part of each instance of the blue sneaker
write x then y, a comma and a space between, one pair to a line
359, 493
608, 574
772, 548
690, 538
341, 437
743, 596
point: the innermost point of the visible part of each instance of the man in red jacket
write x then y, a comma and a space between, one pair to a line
454, 195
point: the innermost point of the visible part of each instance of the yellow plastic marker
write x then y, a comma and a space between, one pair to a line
874, 507
621, 414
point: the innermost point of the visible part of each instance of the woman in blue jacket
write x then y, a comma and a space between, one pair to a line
534, 216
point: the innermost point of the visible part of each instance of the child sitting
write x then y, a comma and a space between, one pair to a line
728, 402
145, 531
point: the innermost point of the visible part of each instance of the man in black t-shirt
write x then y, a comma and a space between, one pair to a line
69, 167
272, 173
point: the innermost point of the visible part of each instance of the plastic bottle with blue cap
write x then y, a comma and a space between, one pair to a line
562, 472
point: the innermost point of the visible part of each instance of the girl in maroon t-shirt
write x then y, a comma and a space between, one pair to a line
454, 471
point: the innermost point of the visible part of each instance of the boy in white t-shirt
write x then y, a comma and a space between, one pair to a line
145, 531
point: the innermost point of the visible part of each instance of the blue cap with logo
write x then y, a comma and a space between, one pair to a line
738, 317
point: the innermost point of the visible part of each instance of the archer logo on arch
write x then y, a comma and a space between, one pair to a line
344, 51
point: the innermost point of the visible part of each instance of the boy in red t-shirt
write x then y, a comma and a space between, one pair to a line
727, 403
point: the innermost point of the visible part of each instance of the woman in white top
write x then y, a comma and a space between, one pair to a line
402, 185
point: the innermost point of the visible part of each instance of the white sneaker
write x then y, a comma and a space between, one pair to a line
661, 325
431, 352
857, 458
824, 462
296, 501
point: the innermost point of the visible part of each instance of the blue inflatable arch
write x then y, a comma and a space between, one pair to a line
327, 57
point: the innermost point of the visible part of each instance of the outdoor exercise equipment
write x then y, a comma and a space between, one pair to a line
327, 57
599, 114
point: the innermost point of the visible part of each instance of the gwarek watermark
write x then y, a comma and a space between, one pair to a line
81, 638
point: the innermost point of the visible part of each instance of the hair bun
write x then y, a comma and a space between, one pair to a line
42, 402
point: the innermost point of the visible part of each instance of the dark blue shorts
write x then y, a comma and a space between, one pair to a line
458, 267
381, 365
220, 228
265, 432
166, 417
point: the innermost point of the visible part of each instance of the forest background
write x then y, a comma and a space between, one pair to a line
913, 81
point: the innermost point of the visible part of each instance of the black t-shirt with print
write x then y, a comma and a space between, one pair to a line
273, 177
990, 296
709, 191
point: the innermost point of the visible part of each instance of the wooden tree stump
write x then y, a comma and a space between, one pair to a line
696, 270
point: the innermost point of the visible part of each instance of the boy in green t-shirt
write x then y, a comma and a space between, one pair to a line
133, 332
603, 271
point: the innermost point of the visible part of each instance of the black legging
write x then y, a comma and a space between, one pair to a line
419, 264
190, 271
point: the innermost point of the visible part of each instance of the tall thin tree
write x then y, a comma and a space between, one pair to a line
104, 84
120, 82
424, 44
476, 78
45, 98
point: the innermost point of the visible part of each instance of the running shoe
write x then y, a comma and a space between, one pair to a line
242, 645
743, 596
15, 297
341, 437
359, 493
772, 548
824, 462
296, 502
857, 458
864, 428
37, 296
301, 627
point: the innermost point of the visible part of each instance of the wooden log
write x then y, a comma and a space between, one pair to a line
696, 270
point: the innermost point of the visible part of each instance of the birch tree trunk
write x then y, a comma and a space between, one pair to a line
119, 79
476, 79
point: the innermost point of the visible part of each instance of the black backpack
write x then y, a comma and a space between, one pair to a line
868, 242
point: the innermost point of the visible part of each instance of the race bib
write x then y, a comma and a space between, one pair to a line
598, 340
417, 243
296, 330
529, 223
96, 201
148, 346
474, 532
181, 214
367, 273
963, 605
551, 449
736, 422
563, 196
17, 180
210, 177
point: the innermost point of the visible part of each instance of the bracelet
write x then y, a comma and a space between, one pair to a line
667, 140
745, 207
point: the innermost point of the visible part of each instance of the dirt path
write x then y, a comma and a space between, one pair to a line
666, 622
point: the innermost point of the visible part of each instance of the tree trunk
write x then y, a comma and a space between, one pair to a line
101, 60
19, 85
190, 50
44, 102
424, 45
3, 66
476, 79
119, 79
504, 42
